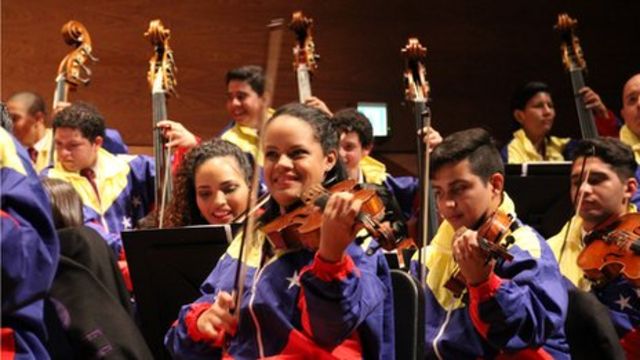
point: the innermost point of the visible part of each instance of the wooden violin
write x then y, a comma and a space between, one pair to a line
305, 59
300, 228
573, 60
162, 81
491, 234
613, 250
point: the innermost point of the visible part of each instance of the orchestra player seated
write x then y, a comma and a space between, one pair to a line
306, 300
513, 308
603, 174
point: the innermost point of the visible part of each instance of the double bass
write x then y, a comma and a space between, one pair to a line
573, 60
417, 91
72, 71
162, 81
305, 59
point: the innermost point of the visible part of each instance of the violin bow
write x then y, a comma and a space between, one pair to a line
577, 199
276, 27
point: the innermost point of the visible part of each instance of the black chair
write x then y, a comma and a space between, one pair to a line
589, 330
408, 304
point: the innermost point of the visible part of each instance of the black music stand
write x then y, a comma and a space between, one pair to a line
541, 192
167, 268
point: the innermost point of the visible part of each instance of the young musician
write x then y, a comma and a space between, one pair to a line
604, 195
534, 113
356, 143
211, 186
30, 252
307, 301
29, 114
508, 308
116, 191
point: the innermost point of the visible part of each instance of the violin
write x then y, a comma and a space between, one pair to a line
496, 229
162, 81
300, 228
573, 60
305, 59
612, 250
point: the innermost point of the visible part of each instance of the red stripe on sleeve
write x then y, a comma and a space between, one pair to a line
479, 294
8, 350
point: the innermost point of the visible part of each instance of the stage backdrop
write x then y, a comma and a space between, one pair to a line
478, 52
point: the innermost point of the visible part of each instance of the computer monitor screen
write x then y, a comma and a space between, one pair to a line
377, 114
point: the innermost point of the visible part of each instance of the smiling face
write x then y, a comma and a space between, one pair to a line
221, 189
462, 197
293, 158
243, 103
537, 116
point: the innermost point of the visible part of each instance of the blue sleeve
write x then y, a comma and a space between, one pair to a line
30, 248
113, 142
524, 303
339, 297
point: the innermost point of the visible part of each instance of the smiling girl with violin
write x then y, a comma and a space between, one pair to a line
322, 299
492, 286
598, 249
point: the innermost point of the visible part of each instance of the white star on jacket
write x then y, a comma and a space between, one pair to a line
623, 302
136, 202
126, 222
294, 280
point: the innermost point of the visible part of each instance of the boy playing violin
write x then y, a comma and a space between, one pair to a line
603, 176
507, 307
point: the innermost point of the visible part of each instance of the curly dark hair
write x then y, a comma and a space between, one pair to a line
618, 155
81, 116
183, 209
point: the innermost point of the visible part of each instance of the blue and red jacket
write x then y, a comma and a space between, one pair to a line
30, 252
518, 312
126, 192
296, 304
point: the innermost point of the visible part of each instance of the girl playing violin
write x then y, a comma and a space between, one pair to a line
211, 185
508, 307
333, 301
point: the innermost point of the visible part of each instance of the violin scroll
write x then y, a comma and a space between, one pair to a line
72, 68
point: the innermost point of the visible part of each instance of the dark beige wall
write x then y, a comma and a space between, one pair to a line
478, 52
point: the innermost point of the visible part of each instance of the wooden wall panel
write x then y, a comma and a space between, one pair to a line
478, 51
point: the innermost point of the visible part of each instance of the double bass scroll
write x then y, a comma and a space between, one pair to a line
574, 63
162, 81
305, 59
72, 71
